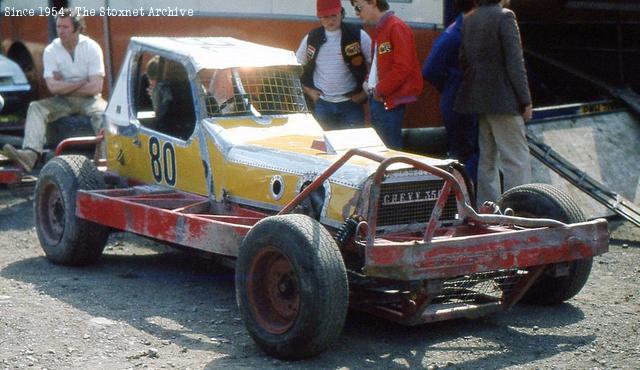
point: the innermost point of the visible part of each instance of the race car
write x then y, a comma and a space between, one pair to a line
210, 145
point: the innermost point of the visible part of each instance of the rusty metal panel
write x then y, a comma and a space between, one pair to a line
457, 256
160, 216
10, 175
435, 312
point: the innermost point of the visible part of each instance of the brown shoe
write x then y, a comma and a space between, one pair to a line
24, 157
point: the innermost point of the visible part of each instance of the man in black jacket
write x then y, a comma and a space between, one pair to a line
335, 58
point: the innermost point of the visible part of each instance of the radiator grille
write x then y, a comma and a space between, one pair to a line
480, 287
404, 203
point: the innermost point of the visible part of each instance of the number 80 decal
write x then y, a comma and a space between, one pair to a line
163, 162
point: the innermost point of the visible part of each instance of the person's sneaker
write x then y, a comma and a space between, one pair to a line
24, 157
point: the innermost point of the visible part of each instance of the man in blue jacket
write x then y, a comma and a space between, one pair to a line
442, 70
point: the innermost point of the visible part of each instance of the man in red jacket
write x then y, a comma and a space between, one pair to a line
395, 77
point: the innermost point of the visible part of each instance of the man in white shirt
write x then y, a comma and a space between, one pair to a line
335, 58
74, 74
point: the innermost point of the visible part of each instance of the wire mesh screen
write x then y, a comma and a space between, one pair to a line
403, 203
480, 287
254, 91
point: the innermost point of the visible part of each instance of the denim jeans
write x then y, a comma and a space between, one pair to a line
336, 116
462, 138
388, 123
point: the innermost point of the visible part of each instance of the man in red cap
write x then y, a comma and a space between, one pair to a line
335, 57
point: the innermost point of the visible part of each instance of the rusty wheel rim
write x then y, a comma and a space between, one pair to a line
51, 216
273, 291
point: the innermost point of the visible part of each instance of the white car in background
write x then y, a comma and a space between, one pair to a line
14, 86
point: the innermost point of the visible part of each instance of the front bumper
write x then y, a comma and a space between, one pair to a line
485, 249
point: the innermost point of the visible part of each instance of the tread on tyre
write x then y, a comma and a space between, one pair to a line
65, 238
291, 286
545, 201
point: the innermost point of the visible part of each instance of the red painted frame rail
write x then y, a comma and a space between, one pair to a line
170, 216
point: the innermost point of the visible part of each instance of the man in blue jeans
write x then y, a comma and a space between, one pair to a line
335, 57
442, 70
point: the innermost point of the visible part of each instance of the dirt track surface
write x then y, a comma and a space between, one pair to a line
147, 306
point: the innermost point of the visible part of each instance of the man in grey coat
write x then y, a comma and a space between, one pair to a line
495, 87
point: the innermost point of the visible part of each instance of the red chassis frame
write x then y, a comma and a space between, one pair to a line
486, 242
11, 175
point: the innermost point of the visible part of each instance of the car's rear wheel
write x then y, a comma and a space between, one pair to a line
291, 286
65, 238
545, 201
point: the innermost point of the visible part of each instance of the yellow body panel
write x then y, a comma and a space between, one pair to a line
253, 184
293, 143
342, 203
132, 157
232, 123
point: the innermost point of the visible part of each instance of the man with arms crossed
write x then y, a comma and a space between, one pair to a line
74, 74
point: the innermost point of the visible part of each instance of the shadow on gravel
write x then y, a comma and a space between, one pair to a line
182, 298
487, 343
16, 209
624, 232
172, 295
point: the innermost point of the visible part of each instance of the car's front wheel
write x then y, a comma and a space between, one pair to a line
291, 286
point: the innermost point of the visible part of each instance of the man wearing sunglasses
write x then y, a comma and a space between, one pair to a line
335, 57
395, 78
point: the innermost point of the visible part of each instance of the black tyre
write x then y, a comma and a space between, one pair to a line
66, 239
545, 201
291, 286
429, 141
67, 127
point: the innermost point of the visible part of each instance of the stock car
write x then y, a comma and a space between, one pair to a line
209, 145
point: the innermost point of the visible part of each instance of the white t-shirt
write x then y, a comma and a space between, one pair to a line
332, 75
86, 61
373, 72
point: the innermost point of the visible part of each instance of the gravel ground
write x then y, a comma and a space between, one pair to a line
147, 306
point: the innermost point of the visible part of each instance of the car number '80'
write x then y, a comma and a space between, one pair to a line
163, 161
